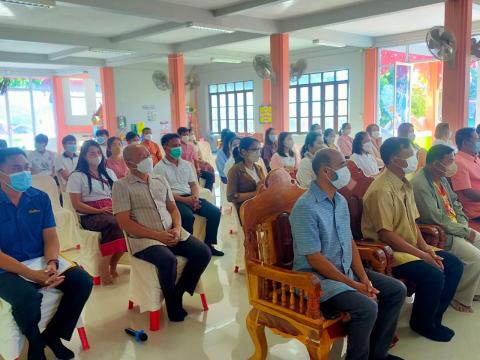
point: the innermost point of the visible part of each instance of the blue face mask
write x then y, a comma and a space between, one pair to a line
20, 181
71, 148
101, 140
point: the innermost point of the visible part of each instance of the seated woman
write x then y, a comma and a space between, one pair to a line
233, 144
316, 128
407, 130
329, 139
245, 177
313, 143
223, 154
115, 160
362, 154
443, 136
374, 131
270, 146
286, 155
345, 141
90, 189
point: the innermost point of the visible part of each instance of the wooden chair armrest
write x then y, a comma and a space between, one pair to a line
387, 255
374, 256
434, 235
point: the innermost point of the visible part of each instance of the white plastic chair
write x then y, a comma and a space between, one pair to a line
206, 151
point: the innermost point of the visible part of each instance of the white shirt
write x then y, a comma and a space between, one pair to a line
253, 174
228, 165
104, 150
305, 174
78, 184
66, 163
41, 164
446, 143
366, 163
288, 161
178, 177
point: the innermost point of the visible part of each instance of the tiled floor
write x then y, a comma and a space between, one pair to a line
220, 333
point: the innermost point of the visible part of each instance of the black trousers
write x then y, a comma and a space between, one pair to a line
25, 300
208, 211
434, 289
163, 257
209, 179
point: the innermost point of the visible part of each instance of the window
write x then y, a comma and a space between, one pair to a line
78, 98
231, 107
320, 98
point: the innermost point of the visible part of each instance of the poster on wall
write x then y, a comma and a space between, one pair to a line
402, 93
265, 114
150, 112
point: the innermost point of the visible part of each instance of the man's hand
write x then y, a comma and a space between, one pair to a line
44, 278
106, 210
197, 204
433, 259
175, 232
167, 238
472, 236
190, 201
365, 287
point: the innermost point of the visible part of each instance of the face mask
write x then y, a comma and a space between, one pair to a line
411, 136
254, 156
185, 139
20, 181
176, 152
116, 150
367, 147
101, 140
376, 134
449, 170
145, 166
148, 137
71, 148
289, 143
135, 143
40, 147
273, 138
342, 178
412, 163
95, 161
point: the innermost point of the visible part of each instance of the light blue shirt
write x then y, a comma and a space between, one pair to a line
220, 162
321, 225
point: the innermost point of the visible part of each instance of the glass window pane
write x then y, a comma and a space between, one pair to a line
221, 87
292, 125
293, 82
329, 92
20, 119
316, 109
304, 94
239, 99
223, 124
214, 113
212, 89
342, 91
231, 99
304, 111
213, 100
239, 86
292, 96
240, 112
77, 87
249, 98
329, 110
230, 87
343, 107
316, 120
250, 112
316, 78
329, 76
250, 127
223, 100
342, 75
248, 85
292, 110
316, 93
223, 113
79, 106
304, 125
231, 113
44, 119
303, 80
329, 123
3, 119
342, 120
215, 126
241, 126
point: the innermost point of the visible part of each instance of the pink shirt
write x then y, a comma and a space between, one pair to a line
189, 154
467, 177
119, 167
345, 143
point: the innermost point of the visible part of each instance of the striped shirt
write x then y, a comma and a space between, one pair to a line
147, 204
320, 225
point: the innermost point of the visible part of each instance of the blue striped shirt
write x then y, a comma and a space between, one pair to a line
322, 225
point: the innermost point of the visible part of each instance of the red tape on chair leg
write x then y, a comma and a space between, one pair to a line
204, 302
83, 338
130, 304
236, 269
77, 246
97, 280
155, 320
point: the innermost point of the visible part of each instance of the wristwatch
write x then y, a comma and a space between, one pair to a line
55, 261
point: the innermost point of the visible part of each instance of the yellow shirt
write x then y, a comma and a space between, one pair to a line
389, 204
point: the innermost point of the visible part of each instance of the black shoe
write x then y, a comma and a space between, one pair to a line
440, 334
59, 350
37, 353
216, 252
392, 357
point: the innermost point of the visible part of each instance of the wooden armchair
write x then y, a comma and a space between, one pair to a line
286, 301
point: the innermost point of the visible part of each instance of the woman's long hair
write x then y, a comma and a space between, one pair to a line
83, 167
342, 129
110, 142
245, 144
281, 145
357, 143
226, 143
267, 136
310, 140
327, 134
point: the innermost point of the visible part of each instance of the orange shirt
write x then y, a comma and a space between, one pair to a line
154, 150
467, 177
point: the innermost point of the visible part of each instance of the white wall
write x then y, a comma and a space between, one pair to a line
134, 89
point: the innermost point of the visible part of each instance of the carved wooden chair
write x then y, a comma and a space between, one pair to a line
286, 301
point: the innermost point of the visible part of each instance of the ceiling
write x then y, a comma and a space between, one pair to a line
123, 32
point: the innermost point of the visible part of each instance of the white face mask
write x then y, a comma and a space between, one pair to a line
367, 147
273, 138
412, 163
343, 178
135, 143
94, 161
289, 143
145, 166
185, 139
148, 137
376, 134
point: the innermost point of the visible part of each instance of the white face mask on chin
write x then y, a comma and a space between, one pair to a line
412, 163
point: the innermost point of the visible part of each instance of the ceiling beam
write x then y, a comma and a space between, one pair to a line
248, 5
213, 41
132, 59
66, 53
151, 30
179, 13
28, 58
349, 39
349, 13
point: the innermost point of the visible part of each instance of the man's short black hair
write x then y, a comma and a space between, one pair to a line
182, 130
3, 144
404, 128
41, 139
462, 135
438, 152
68, 138
392, 147
130, 135
167, 137
146, 129
102, 132
9, 152
321, 159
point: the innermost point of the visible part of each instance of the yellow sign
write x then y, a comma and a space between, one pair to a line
265, 114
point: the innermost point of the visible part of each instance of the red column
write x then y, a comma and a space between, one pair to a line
108, 100
177, 98
370, 86
281, 85
267, 99
456, 76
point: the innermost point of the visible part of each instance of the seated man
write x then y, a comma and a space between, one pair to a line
151, 146
466, 182
101, 137
145, 209
181, 178
66, 162
389, 214
323, 244
437, 204
28, 232
42, 161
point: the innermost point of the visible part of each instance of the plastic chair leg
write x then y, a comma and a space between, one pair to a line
130, 304
155, 320
204, 302
83, 338
97, 280
236, 269
77, 246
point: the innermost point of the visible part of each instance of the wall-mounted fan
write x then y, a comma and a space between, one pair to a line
441, 43
297, 69
192, 81
475, 49
263, 67
161, 81
4, 82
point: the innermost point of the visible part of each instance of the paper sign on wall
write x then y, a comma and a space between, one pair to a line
265, 114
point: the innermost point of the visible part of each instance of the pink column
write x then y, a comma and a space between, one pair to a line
177, 98
370, 86
108, 100
456, 76
267, 98
280, 88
